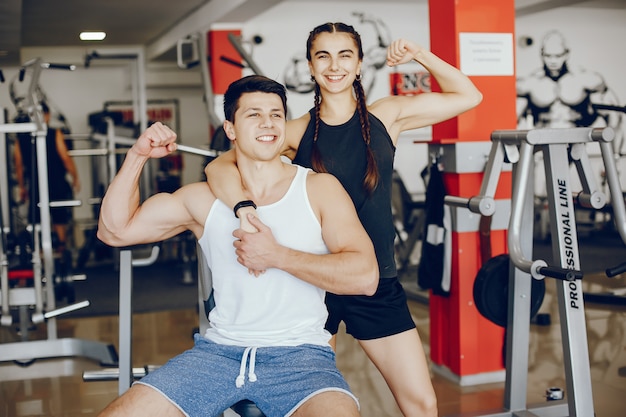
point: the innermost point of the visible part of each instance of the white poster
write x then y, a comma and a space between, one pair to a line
486, 53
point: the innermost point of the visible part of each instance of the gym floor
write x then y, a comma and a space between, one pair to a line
54, 387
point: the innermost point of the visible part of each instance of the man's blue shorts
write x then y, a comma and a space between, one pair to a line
209, 378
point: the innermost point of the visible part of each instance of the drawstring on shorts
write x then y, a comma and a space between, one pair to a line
240, 381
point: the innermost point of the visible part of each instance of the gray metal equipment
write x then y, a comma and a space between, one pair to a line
44, 303
558, 146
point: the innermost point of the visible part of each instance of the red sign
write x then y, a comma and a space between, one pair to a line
408, 84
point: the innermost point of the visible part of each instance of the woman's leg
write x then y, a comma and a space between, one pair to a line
401, 360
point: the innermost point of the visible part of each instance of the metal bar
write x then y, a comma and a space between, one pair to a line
154, 254
125, 321
45, 224
518, 318
591, 196
197, 151
65, 203
66, 309
234, 40
66, 347
4, 184
18, 127
520, 185
492, 169
569, 293
88, 152
617, 197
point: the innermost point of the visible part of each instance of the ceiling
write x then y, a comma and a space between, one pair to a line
45, 23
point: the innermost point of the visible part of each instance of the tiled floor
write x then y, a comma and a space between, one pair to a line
54, 387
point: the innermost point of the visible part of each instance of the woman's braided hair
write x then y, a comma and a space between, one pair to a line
371, 175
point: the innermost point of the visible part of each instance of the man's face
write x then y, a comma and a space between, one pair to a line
259, 125
554, 56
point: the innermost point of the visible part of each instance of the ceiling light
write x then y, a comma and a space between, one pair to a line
92, 36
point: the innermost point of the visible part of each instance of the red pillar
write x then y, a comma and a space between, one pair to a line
461, 339
222, 72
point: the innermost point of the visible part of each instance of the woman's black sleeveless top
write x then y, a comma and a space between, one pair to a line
343, 152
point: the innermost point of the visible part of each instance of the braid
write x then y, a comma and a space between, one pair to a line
370, 181
316, 156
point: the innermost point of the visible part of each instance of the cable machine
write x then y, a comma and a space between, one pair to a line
558, 146
44, 303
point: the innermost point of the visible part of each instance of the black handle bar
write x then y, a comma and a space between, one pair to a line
616, 270
69, 67
561, 273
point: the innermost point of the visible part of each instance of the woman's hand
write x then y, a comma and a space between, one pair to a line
402, 51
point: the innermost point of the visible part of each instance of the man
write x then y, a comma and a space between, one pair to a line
271, 325
560, 96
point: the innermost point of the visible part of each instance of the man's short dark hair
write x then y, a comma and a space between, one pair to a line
44, 107
251, 84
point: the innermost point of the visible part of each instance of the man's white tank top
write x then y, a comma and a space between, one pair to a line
276, 308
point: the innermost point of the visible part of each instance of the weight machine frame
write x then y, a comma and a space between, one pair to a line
52, 347
557, 146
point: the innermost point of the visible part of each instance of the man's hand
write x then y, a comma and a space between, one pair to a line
256, 251
156, 142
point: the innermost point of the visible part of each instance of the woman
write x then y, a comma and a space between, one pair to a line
356, 143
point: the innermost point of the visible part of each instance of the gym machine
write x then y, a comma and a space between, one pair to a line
138, 79
26, 351
558, 146
408, 218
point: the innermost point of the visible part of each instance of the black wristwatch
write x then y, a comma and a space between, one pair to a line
242, 204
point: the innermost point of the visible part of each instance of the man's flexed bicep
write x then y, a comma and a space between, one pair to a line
122, 220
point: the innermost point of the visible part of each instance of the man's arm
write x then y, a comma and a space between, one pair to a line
349, 268
123, 221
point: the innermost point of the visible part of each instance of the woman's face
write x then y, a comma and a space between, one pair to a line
334, 61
